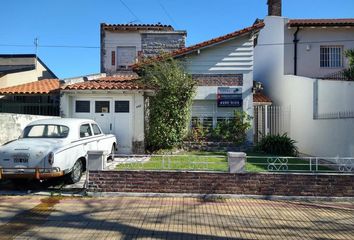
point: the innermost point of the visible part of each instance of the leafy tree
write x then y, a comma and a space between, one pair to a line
170, 107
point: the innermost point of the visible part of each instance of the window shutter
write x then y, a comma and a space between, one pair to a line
113, 58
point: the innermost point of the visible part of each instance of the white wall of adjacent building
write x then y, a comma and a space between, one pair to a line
305, 96
13, 79
310, 41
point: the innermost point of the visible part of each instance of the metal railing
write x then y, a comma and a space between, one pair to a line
213, 163
219, 163
300, 164
48, 109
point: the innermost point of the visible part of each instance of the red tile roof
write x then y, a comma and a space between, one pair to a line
136, 27
321, 22
45, 86
106, 85
186, 50
261, 98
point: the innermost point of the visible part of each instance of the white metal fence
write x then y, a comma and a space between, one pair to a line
271, 120
301, 164
219, 163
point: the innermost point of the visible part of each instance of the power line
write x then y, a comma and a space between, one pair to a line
126, 6
115, 43
167, 14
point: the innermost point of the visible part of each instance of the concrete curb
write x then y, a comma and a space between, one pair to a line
197, 195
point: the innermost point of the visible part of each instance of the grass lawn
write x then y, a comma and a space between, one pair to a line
211, 161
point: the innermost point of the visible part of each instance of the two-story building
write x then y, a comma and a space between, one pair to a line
117, 101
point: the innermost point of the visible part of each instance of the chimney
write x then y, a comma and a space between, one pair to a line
274, 7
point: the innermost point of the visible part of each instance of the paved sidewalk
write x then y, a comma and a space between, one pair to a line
34, 217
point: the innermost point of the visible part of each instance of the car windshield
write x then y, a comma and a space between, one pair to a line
46, 131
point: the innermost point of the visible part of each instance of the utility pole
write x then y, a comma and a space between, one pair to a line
36, 49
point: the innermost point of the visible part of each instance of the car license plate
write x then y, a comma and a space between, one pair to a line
21, 158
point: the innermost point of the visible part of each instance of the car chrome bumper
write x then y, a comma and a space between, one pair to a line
30, 173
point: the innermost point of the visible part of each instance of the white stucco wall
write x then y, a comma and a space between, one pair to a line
113, 39
312, 38
320, 137
12, 124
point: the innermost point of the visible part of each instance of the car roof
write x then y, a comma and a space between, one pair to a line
62, 121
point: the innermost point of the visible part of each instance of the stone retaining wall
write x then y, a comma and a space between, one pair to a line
332, 185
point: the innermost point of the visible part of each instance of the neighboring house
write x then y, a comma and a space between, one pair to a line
27, 85
123, 44
223, 69
299, 63
37, 98
17, 69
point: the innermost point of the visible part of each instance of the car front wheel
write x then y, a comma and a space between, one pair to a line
76, 173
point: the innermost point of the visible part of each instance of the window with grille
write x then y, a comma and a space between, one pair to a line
102, 106
331, 56
82, 106
121, 106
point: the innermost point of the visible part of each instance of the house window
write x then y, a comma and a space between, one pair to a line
102, 106
113, 58
121, 106
82, 106
125, 57
331, 56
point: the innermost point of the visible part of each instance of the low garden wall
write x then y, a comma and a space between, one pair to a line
284, 184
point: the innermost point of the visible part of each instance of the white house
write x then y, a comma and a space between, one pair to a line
223, 69
299, 61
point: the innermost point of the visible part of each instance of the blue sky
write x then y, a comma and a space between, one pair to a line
76, 23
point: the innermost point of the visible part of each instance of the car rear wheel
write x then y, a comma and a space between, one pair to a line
111, 155
75, 175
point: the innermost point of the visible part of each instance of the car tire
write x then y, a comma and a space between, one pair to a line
111, 155
75, 175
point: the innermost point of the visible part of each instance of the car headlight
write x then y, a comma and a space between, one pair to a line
51, 158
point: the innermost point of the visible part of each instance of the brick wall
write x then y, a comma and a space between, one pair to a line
222, 183
218, 79
155, 44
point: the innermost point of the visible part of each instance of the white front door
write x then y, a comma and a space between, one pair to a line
123, 124
102, 114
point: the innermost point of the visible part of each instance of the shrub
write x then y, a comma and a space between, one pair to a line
280, 145
169, 109
349, 72
233, 130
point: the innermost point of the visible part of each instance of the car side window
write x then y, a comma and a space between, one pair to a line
96, 129
85, 130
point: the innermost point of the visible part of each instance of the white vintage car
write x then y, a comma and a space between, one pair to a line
52, 148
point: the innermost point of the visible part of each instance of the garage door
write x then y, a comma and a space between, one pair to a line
113, 115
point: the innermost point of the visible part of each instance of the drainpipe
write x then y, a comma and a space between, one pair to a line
296, 40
